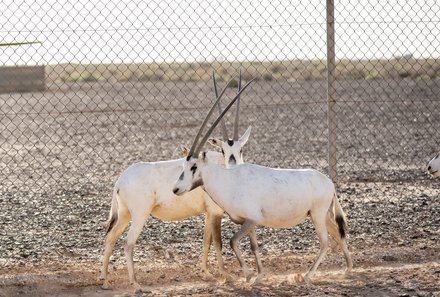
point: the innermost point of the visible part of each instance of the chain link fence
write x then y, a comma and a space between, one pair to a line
128, 81
116, 73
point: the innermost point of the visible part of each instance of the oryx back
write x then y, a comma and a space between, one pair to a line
273, 197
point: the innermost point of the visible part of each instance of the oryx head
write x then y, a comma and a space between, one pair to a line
434, 166
232, 148
191, 176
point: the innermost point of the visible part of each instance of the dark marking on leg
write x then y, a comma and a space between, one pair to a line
341, 223
112, 222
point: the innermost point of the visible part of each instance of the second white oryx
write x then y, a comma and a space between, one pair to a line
145, 189
254, 195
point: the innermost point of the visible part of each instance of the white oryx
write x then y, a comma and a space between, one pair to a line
255, 195
145, 189
434, 166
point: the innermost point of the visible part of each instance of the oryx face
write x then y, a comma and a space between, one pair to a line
191, 176
232, 150
434, 166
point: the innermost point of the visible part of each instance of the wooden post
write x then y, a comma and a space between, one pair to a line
331, 92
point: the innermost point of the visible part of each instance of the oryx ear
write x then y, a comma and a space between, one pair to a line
215, 142
204, 157
245, 137
185, 151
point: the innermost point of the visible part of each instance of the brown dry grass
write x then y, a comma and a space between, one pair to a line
296, 70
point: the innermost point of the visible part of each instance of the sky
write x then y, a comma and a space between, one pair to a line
122, 31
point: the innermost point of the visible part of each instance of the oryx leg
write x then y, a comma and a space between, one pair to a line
319, 220
245, 229
212, 232
207, 240
110, 240
137, 224
332, 228
217, 239
254, 248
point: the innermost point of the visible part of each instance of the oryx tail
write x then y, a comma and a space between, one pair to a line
340, 217
113, 216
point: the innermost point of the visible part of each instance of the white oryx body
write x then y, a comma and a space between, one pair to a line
255, 195
146, 188
434, 166
278, 198
153, 182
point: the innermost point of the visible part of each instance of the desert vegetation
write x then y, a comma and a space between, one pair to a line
295, 70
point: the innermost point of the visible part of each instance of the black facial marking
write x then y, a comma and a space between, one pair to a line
196, 184
193, 168
230, 142
223, 152
204, 155
188, 157
232, 160
182, 176
175, 190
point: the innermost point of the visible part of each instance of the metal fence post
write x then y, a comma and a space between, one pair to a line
331, 92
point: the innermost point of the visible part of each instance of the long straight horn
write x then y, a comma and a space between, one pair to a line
237, 111
196, 139
223, 125
196, 152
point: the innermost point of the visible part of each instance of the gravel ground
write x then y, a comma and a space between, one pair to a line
63, 149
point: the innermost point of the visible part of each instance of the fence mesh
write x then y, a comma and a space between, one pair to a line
127, 81
116, 73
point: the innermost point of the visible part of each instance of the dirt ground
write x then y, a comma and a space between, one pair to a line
63, 149
180, 277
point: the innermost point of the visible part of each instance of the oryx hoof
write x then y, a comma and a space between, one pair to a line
206, 275
249, 275
106, 286
307, 278
258, 279
348, 271
225, 277
136, 288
